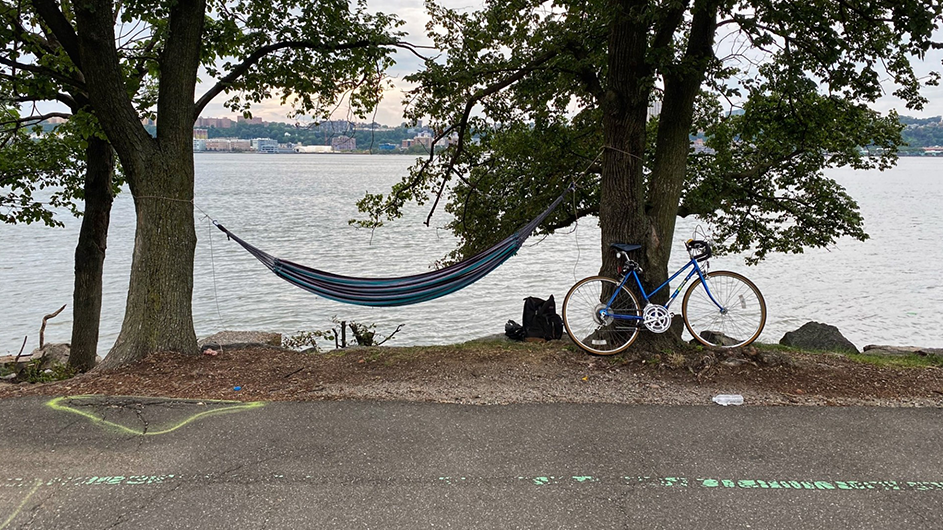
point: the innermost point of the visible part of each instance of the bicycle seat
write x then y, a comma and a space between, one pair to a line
625, 247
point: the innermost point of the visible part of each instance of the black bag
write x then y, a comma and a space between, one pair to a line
514, 331
541, 319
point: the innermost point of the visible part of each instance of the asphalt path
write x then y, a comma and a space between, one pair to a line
122, 463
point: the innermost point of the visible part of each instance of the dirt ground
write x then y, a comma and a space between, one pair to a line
499, 372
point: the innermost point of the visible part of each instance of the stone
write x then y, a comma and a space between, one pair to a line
818, 336
240, 339
53, 353
876, 349
718, 338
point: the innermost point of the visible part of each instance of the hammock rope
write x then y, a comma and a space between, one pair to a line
398, 291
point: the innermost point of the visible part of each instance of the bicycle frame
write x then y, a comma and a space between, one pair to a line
695, 269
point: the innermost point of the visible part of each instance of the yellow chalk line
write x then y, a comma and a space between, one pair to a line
22, 504
238, 406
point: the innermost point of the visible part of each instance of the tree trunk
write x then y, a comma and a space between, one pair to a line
158, 315
625, 107
682, 84
90, 254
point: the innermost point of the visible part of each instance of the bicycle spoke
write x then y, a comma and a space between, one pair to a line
739, 319
588, 328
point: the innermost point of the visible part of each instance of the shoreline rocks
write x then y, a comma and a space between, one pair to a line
818, 336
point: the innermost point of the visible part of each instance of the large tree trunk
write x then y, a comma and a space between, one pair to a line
158, 316
682, 84
90, 254
628, 211
625, 107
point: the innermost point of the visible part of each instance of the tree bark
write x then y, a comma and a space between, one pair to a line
629, 211
625, 107
682, 84
158, 315
90, 254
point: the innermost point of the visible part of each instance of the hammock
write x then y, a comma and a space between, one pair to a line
405, 290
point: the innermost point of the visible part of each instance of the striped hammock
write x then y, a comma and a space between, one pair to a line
405, 290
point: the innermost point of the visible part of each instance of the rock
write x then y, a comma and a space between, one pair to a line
875, 349
718, 338
53, 353
240, 339
817, 336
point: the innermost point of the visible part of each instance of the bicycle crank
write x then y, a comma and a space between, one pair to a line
657, 318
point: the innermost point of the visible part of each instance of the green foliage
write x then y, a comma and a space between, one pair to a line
39, 173
34, 372
531, 83
363, 335
304, 340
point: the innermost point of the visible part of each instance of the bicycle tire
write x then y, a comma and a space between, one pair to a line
744, 315
587, 329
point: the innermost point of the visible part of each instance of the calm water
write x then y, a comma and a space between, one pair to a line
882, 291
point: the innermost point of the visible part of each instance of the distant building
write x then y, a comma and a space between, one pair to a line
265, 145
343, 143
387, 147
654, 109
216, 123
240, 145
218, 144
199, 144
250, 121
200, 134
313, 149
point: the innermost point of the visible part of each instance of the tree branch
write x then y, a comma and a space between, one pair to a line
462, 126
60, 27
35, 119
250, 61
43, 71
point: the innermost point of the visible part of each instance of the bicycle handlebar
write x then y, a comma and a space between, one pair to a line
698, 249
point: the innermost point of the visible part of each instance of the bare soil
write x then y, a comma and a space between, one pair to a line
498, 372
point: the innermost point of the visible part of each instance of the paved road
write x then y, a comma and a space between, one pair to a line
144, 463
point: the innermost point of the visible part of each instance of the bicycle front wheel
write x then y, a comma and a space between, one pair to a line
732, 314
593, 332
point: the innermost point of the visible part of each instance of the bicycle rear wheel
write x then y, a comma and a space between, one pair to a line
592, 332
738, 321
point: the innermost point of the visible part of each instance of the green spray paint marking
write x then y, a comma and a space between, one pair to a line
234, 406
718, 483
679, 483
112, 480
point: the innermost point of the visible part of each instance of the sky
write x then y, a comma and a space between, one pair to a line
412, 12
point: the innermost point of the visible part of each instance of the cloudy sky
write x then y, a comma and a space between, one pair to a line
413, 13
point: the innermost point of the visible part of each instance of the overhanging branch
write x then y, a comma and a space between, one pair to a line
253, 59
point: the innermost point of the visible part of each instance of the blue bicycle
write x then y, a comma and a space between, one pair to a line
721, 309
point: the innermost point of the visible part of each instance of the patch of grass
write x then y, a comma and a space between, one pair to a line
896, 361
33, 372
900, 361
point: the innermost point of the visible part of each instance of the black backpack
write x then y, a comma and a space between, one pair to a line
540, 321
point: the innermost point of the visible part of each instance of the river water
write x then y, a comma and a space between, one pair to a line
881, 291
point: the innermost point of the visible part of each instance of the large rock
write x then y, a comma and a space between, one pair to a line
875, 349
241, 339
53, 353
817, 336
